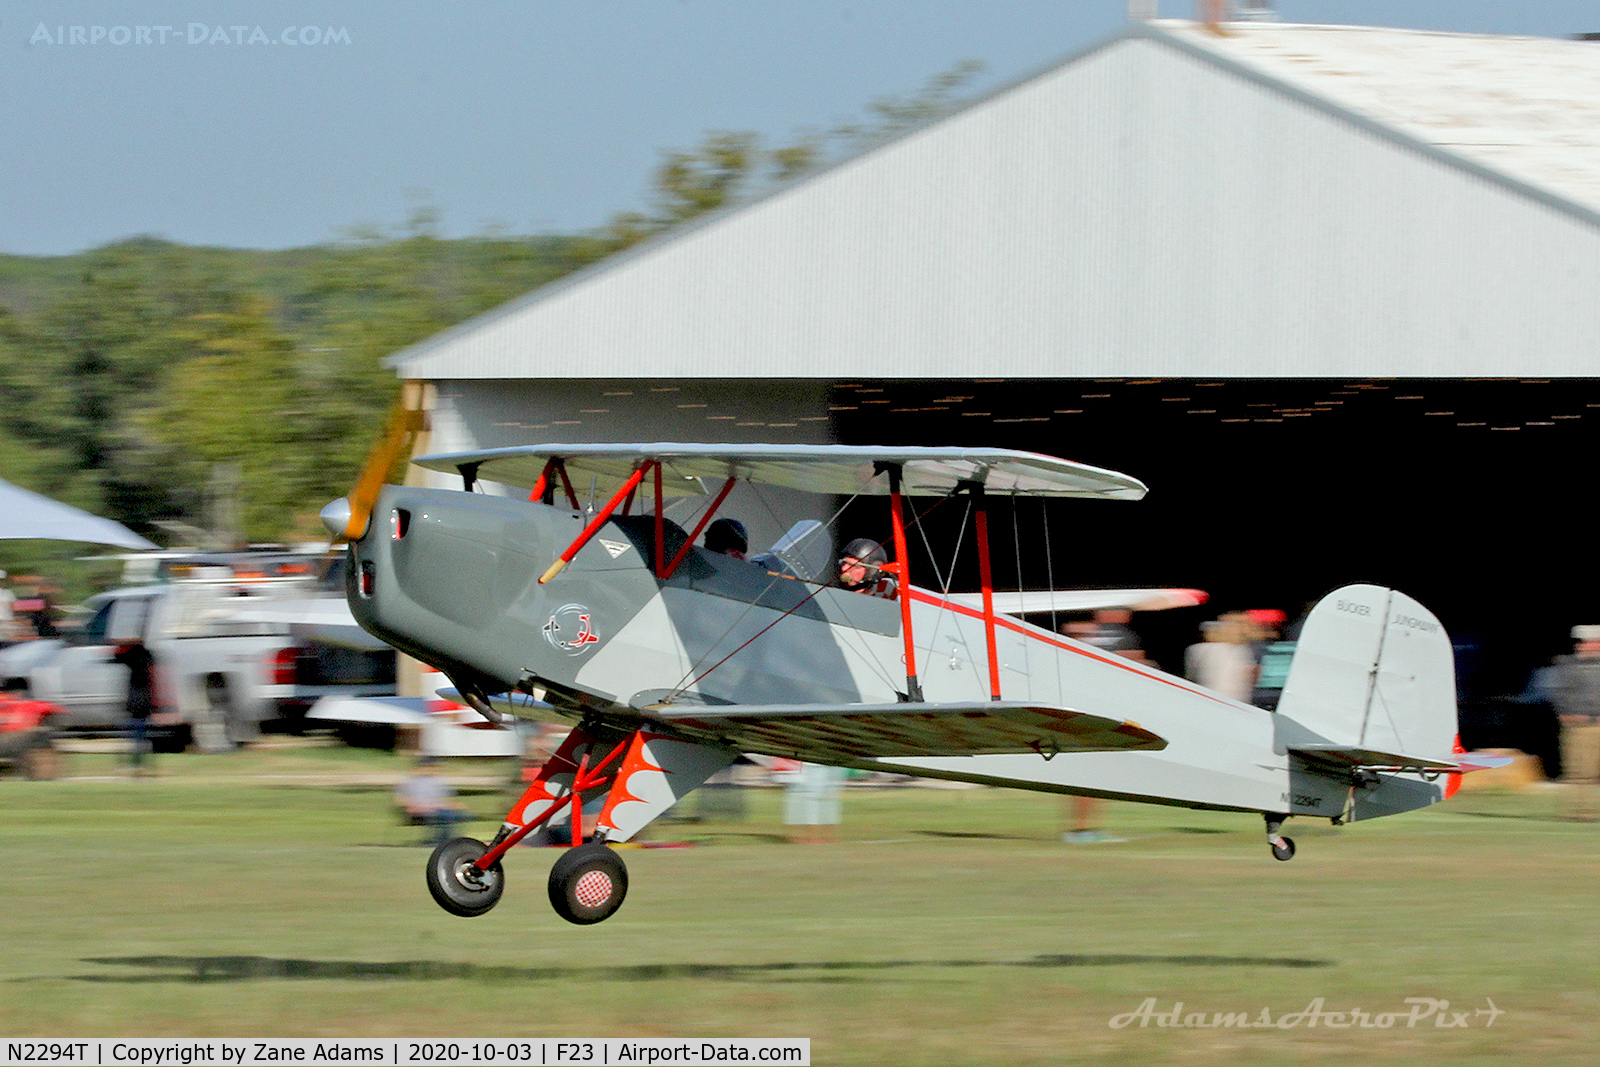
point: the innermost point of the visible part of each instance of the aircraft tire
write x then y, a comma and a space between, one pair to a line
457, 886
588, 884
1285, 852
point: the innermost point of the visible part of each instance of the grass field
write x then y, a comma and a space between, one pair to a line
271, 893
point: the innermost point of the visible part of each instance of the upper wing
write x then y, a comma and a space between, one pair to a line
1033, 601
831, 733
839, 469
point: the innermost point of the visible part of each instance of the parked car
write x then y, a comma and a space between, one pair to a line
229, 654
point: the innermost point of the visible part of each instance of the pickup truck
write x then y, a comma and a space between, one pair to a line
229, 656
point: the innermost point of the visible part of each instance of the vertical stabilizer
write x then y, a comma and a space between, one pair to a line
1373, 669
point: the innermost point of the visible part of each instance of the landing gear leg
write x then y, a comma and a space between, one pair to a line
589, 881
1282, 847
465, 876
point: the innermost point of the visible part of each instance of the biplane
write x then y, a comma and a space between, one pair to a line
669, 661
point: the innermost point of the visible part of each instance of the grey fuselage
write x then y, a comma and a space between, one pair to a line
459, 588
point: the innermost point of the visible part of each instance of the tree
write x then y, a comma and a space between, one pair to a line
242, 409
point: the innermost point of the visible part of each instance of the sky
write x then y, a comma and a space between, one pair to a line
273, 125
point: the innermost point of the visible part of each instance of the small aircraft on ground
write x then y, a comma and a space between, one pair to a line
669, 660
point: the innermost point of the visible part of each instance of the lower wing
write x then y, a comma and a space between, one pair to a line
827, 733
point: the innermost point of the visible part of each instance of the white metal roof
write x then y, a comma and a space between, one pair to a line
1526, 106
1284, 201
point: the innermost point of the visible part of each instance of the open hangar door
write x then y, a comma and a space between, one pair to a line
1474, 496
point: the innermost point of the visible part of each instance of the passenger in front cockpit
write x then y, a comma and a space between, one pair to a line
729, 537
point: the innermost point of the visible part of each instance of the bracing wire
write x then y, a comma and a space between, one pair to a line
1049, 562
1050, 580
1016, 548
945, 580
1016, 539
689, 677
761, 498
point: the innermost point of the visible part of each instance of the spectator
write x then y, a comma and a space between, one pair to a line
1574, 686
1111, 633
1222, 661
429, 801
140, 703
34, 611
1272, 657
811, 803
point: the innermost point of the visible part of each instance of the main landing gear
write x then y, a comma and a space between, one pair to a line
459, 885
588, 882
1282, 847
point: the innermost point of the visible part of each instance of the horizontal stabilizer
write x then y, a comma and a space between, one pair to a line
1483, 761
1345, 756
824, 733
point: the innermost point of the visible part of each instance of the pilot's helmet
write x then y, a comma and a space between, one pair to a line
869, 554
727, 535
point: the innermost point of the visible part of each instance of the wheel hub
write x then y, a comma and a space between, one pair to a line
593, 889
470, 875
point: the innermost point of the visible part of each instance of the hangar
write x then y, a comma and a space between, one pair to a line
1330, 291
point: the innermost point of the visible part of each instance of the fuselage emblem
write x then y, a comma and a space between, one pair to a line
570, 630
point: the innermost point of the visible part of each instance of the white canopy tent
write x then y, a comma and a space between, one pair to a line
25, 515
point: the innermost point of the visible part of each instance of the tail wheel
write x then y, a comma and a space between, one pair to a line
456, 882
588, 883
1284, 851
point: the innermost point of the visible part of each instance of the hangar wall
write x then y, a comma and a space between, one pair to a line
1141, 210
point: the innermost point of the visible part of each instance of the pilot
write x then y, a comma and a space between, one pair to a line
728, 536
860, 569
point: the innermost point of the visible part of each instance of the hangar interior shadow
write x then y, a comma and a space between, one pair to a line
1469, 495
202, 969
